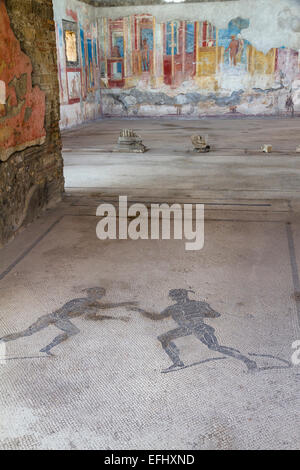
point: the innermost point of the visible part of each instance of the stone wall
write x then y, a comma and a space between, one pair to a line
31, 166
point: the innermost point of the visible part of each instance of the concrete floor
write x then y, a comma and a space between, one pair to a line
106, 387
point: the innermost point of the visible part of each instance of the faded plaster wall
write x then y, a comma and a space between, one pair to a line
188, 59
264, 32
209, 58
79, 82
31, 175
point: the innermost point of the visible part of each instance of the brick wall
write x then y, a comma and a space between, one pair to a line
31, 179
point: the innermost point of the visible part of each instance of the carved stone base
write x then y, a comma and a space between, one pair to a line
200, 144
130, 142
130, 146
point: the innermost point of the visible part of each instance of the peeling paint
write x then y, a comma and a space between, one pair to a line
2, 92
17, 95
191, 68
79, 82
264, 32
194, 59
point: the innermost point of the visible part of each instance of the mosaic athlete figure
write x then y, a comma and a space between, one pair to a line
88, 307
190, 315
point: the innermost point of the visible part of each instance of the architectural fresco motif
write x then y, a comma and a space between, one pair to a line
187, 67
176, 51
71, 37
78, 64
136, 66
22, 106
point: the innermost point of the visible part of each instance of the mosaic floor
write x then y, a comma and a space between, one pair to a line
92, 329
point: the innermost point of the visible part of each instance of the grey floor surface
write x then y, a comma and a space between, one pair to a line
107, 386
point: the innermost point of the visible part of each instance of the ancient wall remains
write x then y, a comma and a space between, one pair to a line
31, 175
78, 61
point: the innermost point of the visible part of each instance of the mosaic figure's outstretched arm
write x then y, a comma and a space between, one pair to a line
153, 316
116, 305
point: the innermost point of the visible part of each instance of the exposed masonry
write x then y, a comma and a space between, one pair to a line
31, 177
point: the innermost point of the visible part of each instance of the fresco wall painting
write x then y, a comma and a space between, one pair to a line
168, 53
78, 67
138, 66
182, 57
22, 105
73, 69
